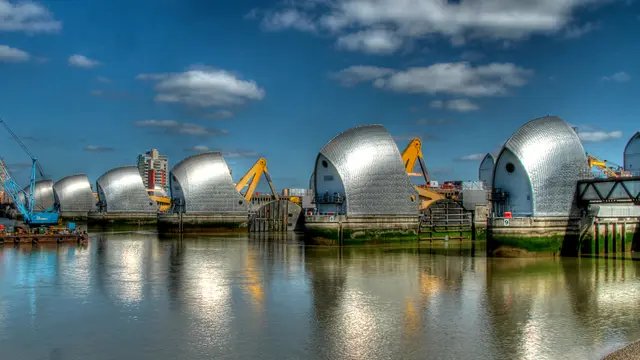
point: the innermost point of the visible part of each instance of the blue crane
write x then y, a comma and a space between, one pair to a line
26, 207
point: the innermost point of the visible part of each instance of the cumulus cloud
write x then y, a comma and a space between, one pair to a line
460, 105
472, 157
405, 20
599, 135
9, 54
96, 148
81, 61
27, 16
218, 115
198, 148
204, 88
576, 31
176, 127
375, 41
356, 74
447, 78
228, 153
618, 77
288, 18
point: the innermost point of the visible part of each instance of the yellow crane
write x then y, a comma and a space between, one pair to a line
601, 165
162, 201
412, 154
252, 178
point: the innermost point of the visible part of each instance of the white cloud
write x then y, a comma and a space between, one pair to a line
447, 78
96, 148
27, 16
437, 104
198, 148
460, 105
618, 77
375, 41
220, 114
599, 136
104, 80
204, 88
82, 61
9, 54
356, 74
458, 21
576, 31
472, 157
177, 127
289, 18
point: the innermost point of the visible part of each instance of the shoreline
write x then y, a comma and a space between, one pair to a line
628, 352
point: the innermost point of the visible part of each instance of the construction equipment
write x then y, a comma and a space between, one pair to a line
26, 207
412, 154
162, 201
252, 178
609, 169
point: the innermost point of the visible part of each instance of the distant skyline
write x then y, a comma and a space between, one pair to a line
90, 85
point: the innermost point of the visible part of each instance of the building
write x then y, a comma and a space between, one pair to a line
632, 155
360, 172
538, 168
121, 190
73, 194
202, 183
153, 169
43, 197
485, 172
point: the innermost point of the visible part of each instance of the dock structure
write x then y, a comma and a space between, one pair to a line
363, 192
545, 201
204, 197
534, 208
74, 197
122, 199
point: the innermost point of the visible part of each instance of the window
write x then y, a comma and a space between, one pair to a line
328, 178
324, 163
510, 168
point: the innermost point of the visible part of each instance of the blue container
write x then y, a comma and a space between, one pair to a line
71, 226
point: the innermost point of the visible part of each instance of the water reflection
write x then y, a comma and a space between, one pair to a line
133, 295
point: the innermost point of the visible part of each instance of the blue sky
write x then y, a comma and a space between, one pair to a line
90, 84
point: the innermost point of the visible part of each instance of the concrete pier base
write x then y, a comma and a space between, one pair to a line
202, 223
612, 229
360, 230
122, 218
74, 216
527, 237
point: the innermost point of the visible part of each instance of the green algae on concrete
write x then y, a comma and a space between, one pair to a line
533, 237
362, 230
202, 223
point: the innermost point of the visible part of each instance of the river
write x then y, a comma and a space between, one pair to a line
136, 296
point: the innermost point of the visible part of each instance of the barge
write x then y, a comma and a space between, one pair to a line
80, 238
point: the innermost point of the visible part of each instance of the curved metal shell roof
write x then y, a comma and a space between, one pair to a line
122, 190
203, 183
73, 193
371, 169
554, 159
42, 194
485, 171
632, 147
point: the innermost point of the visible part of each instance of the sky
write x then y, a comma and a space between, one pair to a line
88, 85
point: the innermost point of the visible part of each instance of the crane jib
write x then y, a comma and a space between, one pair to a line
26, 206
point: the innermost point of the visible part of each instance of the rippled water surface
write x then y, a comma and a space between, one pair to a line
135, 296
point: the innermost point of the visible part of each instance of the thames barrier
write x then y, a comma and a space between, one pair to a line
536, 197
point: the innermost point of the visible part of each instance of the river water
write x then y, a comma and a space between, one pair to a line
137, 296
